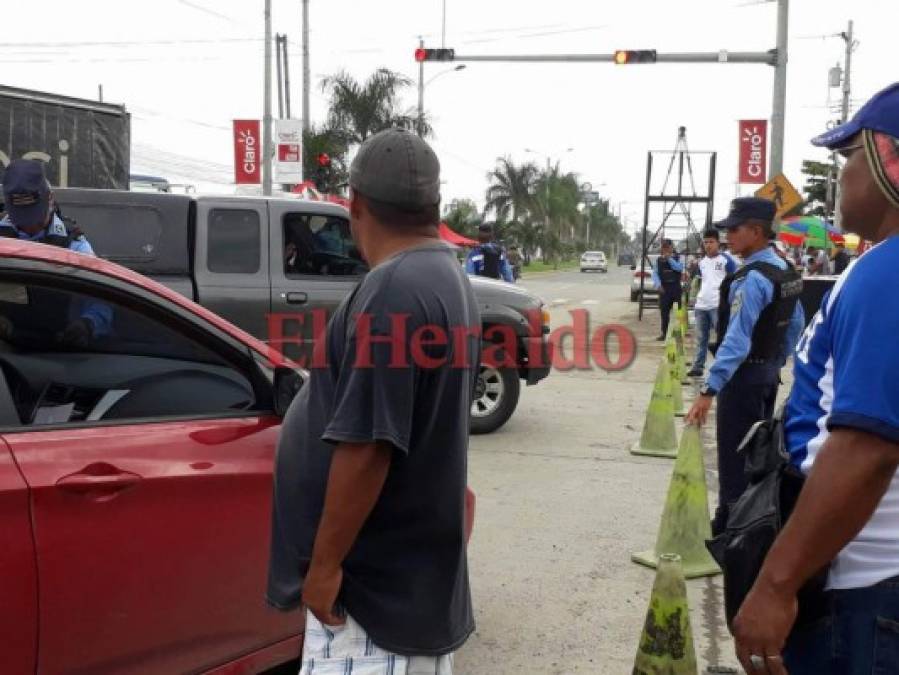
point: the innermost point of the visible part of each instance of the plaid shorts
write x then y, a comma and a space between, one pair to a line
347, 650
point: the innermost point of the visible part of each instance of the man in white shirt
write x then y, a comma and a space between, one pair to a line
712, 269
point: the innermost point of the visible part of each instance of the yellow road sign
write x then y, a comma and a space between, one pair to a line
780, 191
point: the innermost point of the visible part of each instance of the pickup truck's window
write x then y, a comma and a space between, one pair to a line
121, 233
233, 241
320, 245
135, 366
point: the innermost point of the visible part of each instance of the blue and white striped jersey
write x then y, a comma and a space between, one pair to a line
847, 375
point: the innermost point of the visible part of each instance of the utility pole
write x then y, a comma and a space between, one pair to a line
779, 107
286, 78
100, 93
307, 120
278, 75
267, 106
849, 38
421, 91
443, 33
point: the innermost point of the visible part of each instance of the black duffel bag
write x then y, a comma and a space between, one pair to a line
757, 517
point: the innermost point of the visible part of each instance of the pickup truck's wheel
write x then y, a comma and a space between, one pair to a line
495, 398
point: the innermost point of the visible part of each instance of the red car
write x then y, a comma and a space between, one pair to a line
135, 477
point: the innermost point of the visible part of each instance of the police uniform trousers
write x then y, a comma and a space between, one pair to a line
668, 297
748, 397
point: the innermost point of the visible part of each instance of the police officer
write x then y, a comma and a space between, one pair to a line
759, 320
30, 216
488, 259
666, 277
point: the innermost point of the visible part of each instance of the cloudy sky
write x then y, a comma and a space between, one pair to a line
186, 68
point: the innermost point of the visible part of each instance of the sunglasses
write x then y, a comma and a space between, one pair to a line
847, 151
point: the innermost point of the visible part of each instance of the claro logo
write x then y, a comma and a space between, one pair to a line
754, 139
248, 141
63, 159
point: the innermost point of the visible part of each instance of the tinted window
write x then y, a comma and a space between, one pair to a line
131, 365
233, 241
320, 245
123, 233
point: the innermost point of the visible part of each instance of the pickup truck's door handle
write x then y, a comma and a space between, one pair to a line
99, 478
295, 298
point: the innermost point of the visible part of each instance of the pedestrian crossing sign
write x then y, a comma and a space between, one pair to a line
780, 191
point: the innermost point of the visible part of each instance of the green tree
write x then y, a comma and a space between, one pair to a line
510, 190
332, 142
463, 216
815, 189
361, 109
557, 196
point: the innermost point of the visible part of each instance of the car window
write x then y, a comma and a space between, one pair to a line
233, 241
320, 245
128, 364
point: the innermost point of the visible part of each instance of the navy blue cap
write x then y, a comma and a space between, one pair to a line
26, 192
881, 114
748, 208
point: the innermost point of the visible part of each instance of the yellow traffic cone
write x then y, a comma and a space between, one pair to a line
666, 645
659, 438
677, 395
685, 520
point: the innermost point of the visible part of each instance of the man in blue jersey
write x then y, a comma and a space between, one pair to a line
759, 321
30, 217
842, 430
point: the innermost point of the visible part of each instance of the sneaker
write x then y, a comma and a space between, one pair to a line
661, 338
695, 372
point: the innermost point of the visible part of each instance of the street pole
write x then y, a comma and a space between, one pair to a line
844, 117
267, 106
421, 91
546, 181
443, 35
279, 76
286, 78
307, 120
779, 108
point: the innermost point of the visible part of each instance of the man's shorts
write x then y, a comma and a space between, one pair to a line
347, 650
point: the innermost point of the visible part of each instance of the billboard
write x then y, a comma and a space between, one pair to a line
289, 151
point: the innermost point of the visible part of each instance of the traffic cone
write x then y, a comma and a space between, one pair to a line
659, 438
677, 394
685, 521
666, 644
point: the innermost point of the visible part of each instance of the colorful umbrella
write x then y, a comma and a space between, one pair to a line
809, 230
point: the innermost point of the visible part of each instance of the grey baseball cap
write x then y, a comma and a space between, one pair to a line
397, 167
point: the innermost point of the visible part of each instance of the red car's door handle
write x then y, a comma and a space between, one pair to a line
100, 478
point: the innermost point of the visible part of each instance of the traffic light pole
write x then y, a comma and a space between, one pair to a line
769, 58
421, 92
779, 106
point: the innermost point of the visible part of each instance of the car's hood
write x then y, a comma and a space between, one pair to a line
500, 292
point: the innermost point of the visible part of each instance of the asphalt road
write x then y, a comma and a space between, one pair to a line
562, 505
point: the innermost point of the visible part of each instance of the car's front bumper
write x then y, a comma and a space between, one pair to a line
536, 359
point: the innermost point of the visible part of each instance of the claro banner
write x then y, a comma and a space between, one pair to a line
247, 152
753, 151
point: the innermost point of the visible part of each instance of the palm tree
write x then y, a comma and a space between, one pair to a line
557, 196
462, 216
511, 190
362, 109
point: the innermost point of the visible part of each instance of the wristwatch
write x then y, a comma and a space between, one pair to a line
706, 390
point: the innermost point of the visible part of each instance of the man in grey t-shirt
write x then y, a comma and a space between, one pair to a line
370, 477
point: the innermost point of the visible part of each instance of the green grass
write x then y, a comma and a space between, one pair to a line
537, 266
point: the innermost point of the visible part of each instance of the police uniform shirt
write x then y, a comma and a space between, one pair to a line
99, 314
846, 366
748, 298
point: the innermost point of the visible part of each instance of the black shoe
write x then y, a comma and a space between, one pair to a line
661, 338
695, 372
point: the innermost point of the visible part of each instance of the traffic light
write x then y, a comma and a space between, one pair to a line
323, 172
422, 54
625, 57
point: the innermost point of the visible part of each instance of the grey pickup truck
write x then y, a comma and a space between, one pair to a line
277, 267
